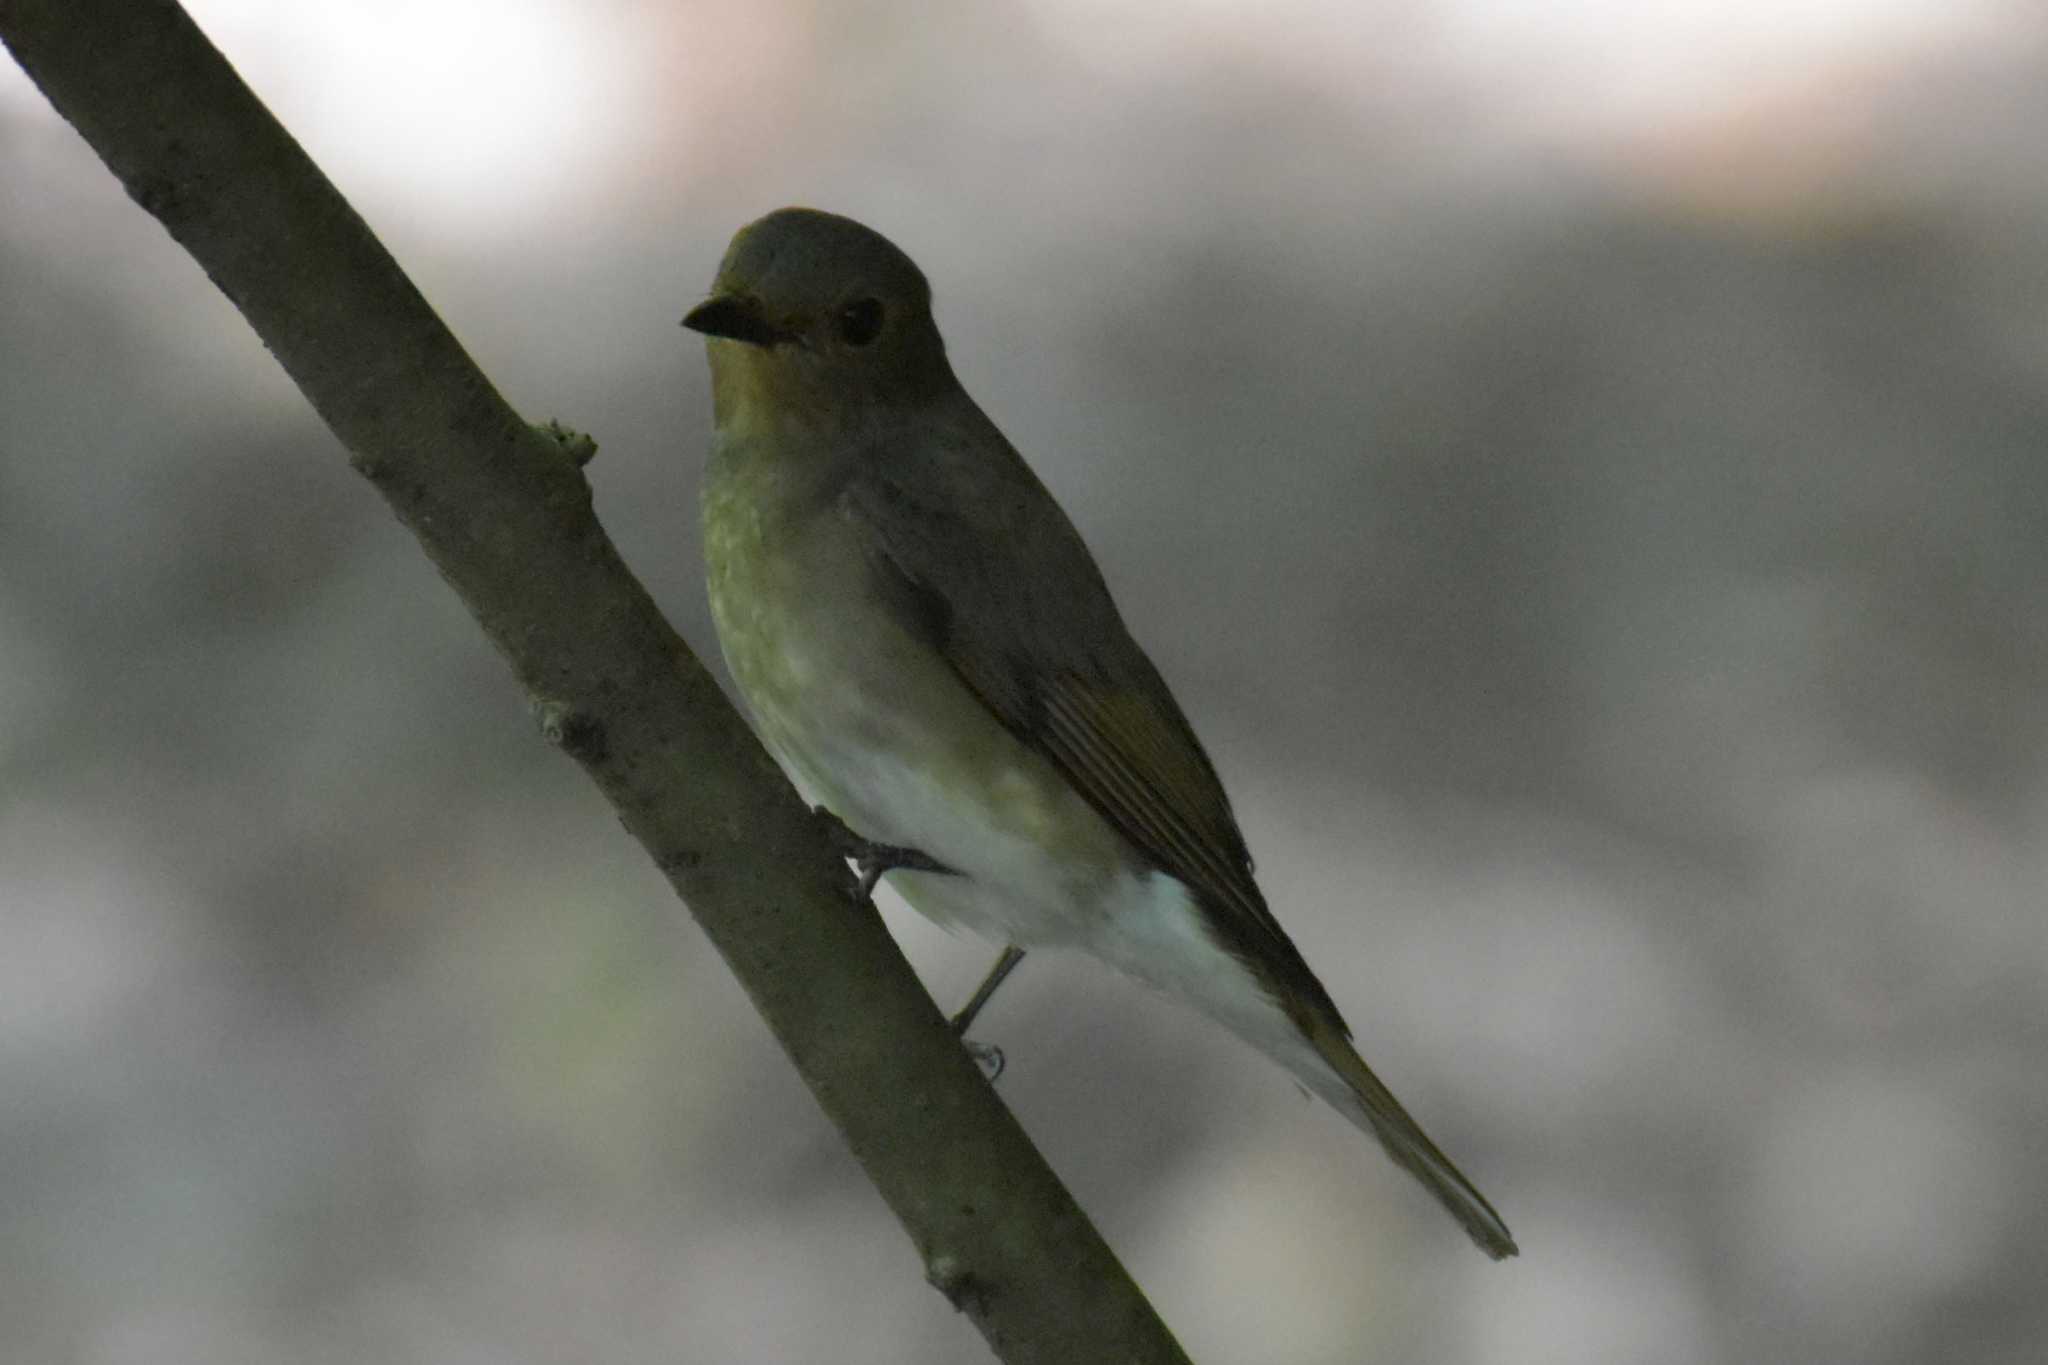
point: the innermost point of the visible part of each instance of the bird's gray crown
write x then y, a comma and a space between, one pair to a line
804, 262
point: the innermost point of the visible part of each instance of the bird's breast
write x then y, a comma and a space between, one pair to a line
869, 720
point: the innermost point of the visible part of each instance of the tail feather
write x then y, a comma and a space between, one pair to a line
1162, 937
1350, 1087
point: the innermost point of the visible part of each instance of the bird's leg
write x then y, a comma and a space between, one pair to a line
872, 859
877, 860
1005, 964
986, 1055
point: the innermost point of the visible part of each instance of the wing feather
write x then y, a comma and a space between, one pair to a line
1025, 620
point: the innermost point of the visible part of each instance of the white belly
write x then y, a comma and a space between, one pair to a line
1002, 831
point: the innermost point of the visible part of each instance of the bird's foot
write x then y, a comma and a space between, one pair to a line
874, 860
987, 1056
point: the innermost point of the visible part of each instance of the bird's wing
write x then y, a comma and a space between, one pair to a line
1020, 612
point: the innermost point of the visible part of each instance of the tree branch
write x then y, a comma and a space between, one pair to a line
504, 512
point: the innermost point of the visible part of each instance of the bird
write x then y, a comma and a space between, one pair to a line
929, 651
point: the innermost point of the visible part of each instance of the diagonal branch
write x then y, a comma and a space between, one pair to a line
503, 511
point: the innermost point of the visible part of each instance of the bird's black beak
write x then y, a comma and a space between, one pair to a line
738, 318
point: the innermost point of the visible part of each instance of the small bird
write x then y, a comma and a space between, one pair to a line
931, 654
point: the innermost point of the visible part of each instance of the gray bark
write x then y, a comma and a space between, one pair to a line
504, 512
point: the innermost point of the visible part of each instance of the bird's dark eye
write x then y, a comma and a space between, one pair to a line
860, 321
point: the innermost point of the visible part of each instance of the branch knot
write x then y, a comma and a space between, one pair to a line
963, 1289
576, 733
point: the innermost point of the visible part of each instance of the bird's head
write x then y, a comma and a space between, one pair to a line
816, 318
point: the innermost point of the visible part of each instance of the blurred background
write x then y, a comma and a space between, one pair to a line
1580, 464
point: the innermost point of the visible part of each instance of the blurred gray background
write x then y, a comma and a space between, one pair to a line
1581, 466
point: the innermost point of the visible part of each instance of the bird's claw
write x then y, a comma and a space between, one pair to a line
874, 860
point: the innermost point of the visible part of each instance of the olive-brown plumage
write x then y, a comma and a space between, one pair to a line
927, 647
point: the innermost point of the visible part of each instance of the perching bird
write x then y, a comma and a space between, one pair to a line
929, 651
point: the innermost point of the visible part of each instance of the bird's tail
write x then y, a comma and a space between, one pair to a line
1349, 1086
1166, 941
